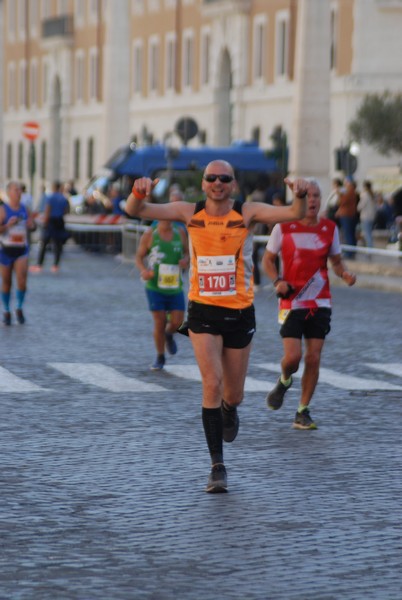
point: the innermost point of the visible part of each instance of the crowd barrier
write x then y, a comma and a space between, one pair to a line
115, 234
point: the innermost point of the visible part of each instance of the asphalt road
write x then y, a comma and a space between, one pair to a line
103, 462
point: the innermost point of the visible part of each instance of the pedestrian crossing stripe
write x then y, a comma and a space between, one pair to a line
392, 368
10, 383
110, 379
344, 381
192, 373
105, 377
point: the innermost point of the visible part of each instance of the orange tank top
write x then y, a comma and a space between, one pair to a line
221, 266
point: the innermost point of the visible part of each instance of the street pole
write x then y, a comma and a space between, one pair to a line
32, 166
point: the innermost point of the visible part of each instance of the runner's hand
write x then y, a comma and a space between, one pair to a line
349, 278
299, 186
143, 187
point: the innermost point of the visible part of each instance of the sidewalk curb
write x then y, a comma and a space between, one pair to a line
375, 276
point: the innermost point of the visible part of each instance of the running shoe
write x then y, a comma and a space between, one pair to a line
277, 394
303, 420
230, 422
20, 316
7, 318
159, 363
217, 480
55, 269
171, 345
35, 269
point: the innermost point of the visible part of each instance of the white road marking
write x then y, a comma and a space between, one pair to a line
110, 379
192, 373
10, 383
391, 368
105, 377
341, 380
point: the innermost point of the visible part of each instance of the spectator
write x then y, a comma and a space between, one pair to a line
332, 202
43, 198
70, 189
26, 198
93, 205
347, 215
54, 230
384, 217
115, 199
367, 210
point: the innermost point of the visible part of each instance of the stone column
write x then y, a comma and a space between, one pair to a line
310, 137
116, 76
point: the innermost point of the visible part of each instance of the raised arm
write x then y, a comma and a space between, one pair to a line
138, 205
266, 213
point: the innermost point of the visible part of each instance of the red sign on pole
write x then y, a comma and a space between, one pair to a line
30, 130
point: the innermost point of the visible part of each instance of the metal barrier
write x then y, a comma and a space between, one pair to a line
110, 238
123, 238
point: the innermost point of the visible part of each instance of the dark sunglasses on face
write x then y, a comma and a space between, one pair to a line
210, 177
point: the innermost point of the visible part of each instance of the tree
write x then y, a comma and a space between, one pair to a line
378, 122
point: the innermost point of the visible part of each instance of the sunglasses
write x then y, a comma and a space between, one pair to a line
222, 178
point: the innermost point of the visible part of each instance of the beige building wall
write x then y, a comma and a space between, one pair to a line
254, 70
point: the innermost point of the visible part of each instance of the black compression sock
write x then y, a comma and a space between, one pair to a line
228, 408
212, 422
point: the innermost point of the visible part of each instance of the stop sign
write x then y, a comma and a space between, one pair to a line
30, 130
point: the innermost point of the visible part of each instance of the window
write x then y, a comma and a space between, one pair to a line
33, 18
33, 83
93, 74
259, 47
43, 159
333, 34
79, 76
93, 11
23, 84
11, 19
9, 161
62, 7
282, 41
22, 19
90, 158
45, 81
11, 86
20, 165
79, 12
77, 158
153, 6
153, 64
138, 7
205, 56
46, 9
137, 67
170, 54
188, 59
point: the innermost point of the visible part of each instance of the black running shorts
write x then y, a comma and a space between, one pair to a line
236, 327
309, 323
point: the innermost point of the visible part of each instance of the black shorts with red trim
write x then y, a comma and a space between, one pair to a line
311, 323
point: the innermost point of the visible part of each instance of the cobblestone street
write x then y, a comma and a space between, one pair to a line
104, 462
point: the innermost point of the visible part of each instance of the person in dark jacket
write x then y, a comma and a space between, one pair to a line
54, 231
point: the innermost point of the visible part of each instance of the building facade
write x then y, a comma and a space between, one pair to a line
97, 74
